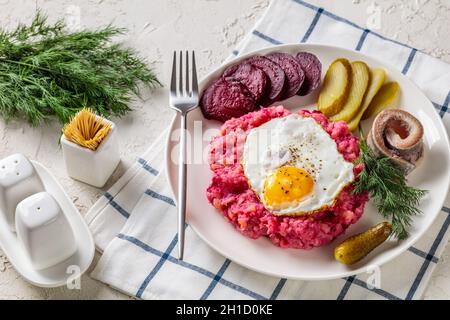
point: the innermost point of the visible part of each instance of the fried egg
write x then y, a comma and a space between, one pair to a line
293, 166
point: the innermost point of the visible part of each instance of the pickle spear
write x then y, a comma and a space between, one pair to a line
360, 82
387, 97
335, 87
358, 246
377, 76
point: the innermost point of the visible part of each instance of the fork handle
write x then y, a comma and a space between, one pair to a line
182, 185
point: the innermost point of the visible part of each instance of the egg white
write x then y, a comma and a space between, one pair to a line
299, 142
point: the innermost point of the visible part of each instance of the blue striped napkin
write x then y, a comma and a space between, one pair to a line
134, 223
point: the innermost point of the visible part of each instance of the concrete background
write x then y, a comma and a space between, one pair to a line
212, 28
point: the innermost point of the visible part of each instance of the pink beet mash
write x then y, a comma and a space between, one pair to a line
229, 191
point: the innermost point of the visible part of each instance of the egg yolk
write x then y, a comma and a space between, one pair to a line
287, 185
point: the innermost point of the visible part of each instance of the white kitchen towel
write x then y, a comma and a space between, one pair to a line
134, 223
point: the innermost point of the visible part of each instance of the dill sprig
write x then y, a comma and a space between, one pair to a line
47, 71
388, 188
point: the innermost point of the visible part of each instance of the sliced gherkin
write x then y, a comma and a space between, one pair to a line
335, 88
377, 77
387, 97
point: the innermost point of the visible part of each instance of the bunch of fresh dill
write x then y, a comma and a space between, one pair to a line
388, 188
46, 70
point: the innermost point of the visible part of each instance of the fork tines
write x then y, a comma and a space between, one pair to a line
190, 87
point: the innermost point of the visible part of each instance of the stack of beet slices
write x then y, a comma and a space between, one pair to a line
259, 81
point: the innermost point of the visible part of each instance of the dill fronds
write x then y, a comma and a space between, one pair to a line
388, 188
47, 71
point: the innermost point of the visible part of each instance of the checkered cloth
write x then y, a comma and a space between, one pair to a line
134, 223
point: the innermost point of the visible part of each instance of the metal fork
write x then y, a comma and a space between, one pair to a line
183, 99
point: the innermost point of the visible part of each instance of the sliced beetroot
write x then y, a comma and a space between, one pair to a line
275, 75
312, 67
293, 71
226, 99
253, 78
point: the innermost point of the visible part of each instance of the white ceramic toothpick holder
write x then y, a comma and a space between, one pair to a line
18, 180
44, 231
92, 167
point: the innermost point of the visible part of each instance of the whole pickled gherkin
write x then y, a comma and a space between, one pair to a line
358, 246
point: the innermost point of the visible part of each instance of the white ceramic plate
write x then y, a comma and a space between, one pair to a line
317, 264
72, 267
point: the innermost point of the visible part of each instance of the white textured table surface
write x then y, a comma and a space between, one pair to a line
212, 28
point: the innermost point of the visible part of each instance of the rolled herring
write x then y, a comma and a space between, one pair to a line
397, 134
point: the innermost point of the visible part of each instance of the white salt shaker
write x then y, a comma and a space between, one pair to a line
44, 231
92, 167
18, 180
